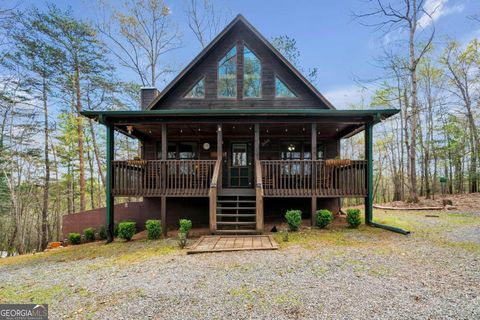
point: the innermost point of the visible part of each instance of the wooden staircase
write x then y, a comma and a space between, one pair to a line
236, 214
235, 211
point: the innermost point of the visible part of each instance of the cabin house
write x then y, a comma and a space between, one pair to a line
236, 139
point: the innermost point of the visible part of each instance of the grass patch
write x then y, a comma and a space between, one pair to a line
35, 294
117, 253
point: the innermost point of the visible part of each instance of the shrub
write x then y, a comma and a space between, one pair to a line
74, 238
324, 217
154, 229
294, 219
115, 230
182, 239
102, 233
126, 230
185, 226
353, 218
89, 234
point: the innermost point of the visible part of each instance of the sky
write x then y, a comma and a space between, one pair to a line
327, 34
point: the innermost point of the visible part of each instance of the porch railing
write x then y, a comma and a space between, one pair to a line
313, 178
162, 177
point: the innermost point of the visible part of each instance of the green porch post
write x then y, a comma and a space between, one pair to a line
368, 157
109, 184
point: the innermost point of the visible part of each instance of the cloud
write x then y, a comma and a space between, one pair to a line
435, 9
346, 97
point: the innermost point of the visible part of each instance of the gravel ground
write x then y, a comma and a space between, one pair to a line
365, 274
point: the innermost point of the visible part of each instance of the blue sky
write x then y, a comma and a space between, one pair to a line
326, 33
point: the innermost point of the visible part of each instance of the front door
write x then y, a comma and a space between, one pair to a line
240, 171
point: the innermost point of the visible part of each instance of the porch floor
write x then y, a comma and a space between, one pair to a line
233, 243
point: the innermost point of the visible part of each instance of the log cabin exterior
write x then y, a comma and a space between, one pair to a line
238, 137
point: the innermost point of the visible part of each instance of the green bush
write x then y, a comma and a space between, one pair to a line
74, 238
353, 218
154, 229
324, 217
185, 226
126, 230
182, 239
294, 219
102, 233
89, 234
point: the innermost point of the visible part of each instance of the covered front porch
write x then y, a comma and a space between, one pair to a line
239, 160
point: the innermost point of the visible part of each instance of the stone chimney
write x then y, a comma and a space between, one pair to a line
147, 95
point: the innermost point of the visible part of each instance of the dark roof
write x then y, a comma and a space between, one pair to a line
238, 19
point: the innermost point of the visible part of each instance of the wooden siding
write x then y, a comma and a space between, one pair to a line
271, 66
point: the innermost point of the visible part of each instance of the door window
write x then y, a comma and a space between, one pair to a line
239, 155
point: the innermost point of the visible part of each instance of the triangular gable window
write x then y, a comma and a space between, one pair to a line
198, 90
281, 90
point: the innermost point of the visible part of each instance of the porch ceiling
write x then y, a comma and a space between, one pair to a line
331, 123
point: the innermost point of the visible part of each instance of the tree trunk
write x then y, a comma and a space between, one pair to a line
97, 153
80, 138
44, 237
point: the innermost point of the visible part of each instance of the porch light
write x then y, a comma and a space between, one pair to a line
129, 129
286, 130
291, 147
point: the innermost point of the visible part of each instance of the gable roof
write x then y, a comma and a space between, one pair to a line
238, 19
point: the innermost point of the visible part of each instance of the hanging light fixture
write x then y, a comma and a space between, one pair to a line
291, 147
129, 129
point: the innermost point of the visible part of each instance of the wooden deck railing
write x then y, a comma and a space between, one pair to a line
313, 178
162, 177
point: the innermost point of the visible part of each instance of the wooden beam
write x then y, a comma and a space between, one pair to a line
257, 141
164, 142
163, 215
313, 137
110, 204
220, 153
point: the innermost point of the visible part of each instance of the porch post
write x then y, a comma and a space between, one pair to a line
163, 203
110, 205
258, 180
313, 187
369, 181
219, 153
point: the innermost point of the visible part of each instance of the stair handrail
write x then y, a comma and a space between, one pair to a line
212, 194
259, 196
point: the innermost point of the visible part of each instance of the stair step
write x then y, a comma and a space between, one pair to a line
236, 208
235, 215
236, 201
236, 231
234, 223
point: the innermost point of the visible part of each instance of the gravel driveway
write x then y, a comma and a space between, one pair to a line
337, 274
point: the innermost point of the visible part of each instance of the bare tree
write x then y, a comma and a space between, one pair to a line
141, 37
410, 16
205, 20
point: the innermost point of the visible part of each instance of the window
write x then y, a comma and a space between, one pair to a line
252, 74
198, 90
227, 75
239, 155
281, 89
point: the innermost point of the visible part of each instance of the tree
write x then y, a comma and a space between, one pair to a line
83, 55
288, 48
141, 37
205, 20
38, 60
413, 17
462, 72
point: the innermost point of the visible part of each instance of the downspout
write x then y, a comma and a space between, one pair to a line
369, 198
